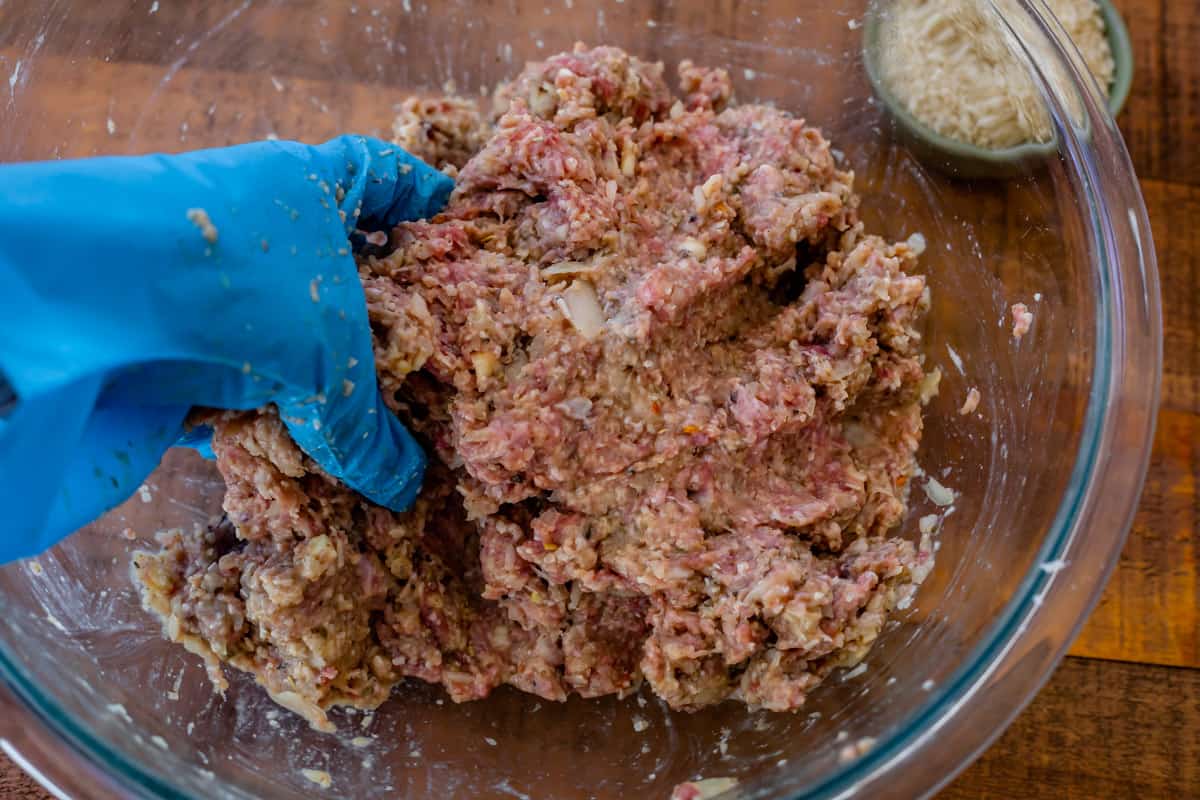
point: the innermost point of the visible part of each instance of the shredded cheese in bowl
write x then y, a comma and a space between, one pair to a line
948, 63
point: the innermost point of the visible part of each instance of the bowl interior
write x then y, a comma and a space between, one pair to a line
117, 77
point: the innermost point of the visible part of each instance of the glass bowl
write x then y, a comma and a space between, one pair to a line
1047, 472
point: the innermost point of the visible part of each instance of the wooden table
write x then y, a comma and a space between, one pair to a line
1121, 717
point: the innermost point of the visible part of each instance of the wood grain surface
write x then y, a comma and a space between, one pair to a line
1099, 729
1121, 717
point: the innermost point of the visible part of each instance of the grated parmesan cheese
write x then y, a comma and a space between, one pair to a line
948, 62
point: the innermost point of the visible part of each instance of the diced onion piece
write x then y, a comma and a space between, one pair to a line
315, 557
937, 493
916, 243
706, 194
629, 156
930, 384
485, 364
567, 268
582, 308
693, 247
318, 776
711, 787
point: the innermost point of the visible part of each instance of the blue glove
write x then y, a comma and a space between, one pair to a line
132, 289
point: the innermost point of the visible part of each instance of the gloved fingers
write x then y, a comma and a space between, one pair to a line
356, 438
344, 426
381, 185
36, 439
237, 256
219, 278
316, 364
70, 458
119, 449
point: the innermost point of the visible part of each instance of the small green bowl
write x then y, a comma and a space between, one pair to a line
964, 160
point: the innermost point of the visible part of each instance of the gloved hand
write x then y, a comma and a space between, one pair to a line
132, 289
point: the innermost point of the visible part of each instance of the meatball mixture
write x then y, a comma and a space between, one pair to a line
672, 394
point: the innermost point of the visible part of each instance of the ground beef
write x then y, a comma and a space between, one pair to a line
672, 391
1022, 320
442, 131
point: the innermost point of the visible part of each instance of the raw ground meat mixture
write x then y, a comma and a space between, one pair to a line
672, 394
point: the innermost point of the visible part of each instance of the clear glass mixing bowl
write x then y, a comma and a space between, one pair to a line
1047, 473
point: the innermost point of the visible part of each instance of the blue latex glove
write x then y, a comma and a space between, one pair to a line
121, 307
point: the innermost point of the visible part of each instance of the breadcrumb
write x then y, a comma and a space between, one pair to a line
971, 403
199, 217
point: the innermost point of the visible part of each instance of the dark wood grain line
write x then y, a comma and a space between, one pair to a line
1174, 209
1099, 729
1150, 611
16, 785
1162, 115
